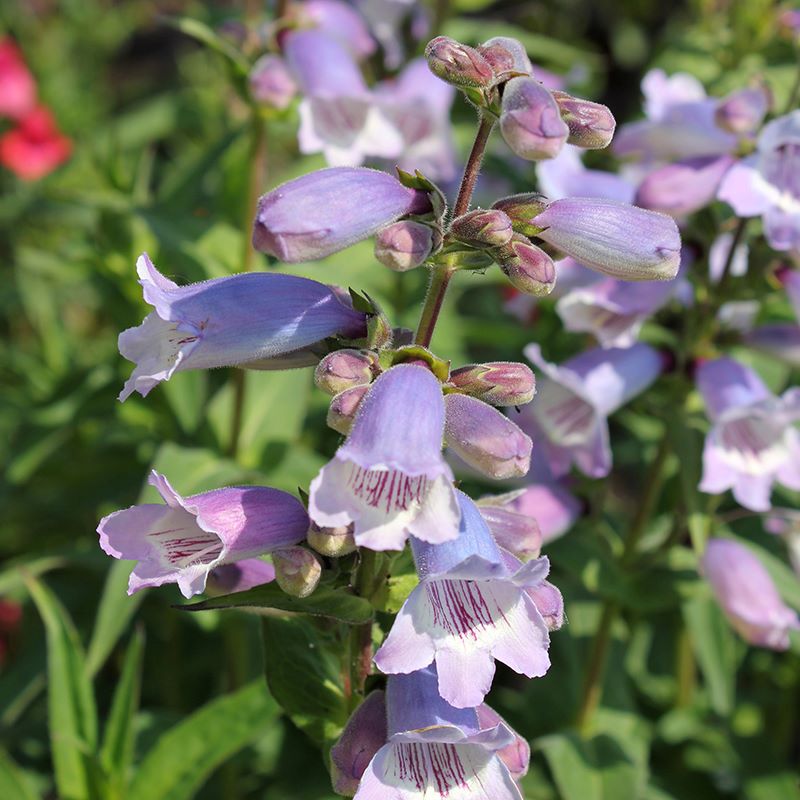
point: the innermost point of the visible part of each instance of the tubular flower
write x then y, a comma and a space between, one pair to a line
228, 322
753, 441
188, 537
389, 478
472, 606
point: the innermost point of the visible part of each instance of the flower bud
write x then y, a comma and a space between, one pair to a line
530, 120
527, 266
485, 439
297, 570
271, 84
499, 383
591, 125
521, 209
506, 56
404, 245
747, 594
331, 542
344, 369
343, 407
614, 238
458, 63
482, 228
743, 112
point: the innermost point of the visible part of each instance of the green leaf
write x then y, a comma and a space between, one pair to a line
72, 714
116, 754
183, 758
14, 784
324, 602
783, 785
200, 31
186, 394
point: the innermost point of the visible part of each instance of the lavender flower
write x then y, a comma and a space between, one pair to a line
753, 442
340, 21
471, 607
239, 576
565, 176
271, 84
389, 478
235, 321
185, 539
404, 245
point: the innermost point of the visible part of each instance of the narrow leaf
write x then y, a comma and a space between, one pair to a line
14, 785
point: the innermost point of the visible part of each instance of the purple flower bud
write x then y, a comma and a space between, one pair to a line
506, 56
343, 408
499, 383
482, 228
685, 186
591, 125
344, 369
517, 533
743, 112
614, 238
530, 120
521, 209
297, 570
331, 542
457, 63
239, 577
404, 245
364, 734
271, 84
747, 594
527, 266
183, 540
485, 439
330, 209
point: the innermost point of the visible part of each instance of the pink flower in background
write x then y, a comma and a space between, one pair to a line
36, 147
17, 85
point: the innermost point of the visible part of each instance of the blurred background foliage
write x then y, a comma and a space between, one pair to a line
161, 163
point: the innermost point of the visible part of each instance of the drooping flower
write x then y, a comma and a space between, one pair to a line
432, 750
569, 419
35, 147
17, 86
325, 211
228, 322
472, 606
185, 539
389, 478
748, 595
753, 441
767, 184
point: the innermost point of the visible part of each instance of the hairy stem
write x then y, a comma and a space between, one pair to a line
473, 167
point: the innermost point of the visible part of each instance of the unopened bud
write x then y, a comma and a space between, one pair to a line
344, 369
591, 125
458, 63
297, 570
530, 120
343, 407
483, 228
521, 209
743, 112
499, 383
271, 83
506, 56
331, 542
404, 245
527, 266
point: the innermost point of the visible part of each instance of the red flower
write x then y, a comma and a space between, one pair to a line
36, 147
17, 86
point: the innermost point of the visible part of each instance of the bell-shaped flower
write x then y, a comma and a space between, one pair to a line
569, 417
328, 210
566, 176
753, 441
338, 20
747, 594
471, 607
432, 750
551, 504
519, 534
185, 539
389, 478
767, 184
236, 321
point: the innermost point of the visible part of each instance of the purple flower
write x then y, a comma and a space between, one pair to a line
404, 245
433, 750
530, 120
781, 341
597, 233
235, 321
565, 176
748, 595
185, 539
569, 416
753, 442
471, 607
338, 115
239, 576
743, 111
499, 383
389, 478
271, 84
340, 21
517, 533
330, 209
767, 184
